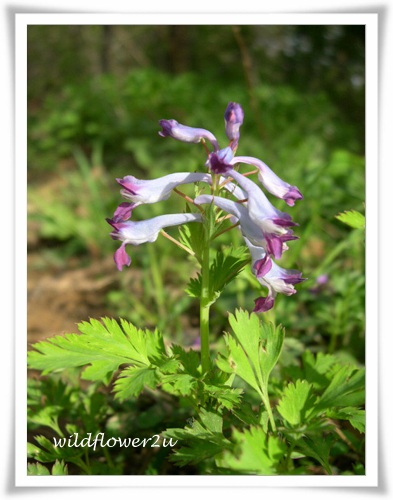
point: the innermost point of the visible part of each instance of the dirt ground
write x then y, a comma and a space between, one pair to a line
59, 299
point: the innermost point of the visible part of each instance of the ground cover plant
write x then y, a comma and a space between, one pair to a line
247, 404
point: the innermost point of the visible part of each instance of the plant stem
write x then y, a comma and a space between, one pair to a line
164, 233
109, 461
159, 293
205, 310
265, 399
225, 230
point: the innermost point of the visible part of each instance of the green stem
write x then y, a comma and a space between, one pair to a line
159, 294
109, 461
265, 399
288, 459
204, 310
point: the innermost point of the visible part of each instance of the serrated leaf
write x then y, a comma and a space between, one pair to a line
352, 218
37, 469
297, 403
59, 469
252, 453
102, 347
180, 382
237, 362
47, 452
47, 416
201, 440
225, 267
254, 349
189, 359
246, 414
226, 396
355, 416
316, 368
345, 389
192, 237
211, 420
133, 380
318, 449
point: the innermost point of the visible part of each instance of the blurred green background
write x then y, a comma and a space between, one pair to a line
95, 95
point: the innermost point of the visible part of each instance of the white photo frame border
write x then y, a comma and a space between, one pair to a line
370, 21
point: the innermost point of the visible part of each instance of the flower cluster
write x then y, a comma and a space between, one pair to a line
265, 229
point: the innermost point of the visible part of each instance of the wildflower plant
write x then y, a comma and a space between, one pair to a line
234, 428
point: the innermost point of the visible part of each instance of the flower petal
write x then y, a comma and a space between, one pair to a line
219, 162
271, 181
121, 257
233, 116
171, 128
138, 232
263, 304
123, 211
248, 227
260, 210
152, 191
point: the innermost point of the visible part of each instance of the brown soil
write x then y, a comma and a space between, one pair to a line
59, 299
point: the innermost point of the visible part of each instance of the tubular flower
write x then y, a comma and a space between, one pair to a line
247, 226
265, 229
260, 210
258, 234
273, 277
220, 162
171, 128
271, 181
123, 211
151, 191
145, 231
233, 116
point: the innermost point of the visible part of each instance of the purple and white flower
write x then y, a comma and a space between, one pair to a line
258, 233
271, 181
171, 128
265, 228
220, 162
271, 243
142, 192
233, 116
260, 210
273, 277
145, 231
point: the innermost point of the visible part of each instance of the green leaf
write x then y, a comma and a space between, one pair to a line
47, 452
210, 226
355, 417
226, 396
345, 389
318, 449
37, 469
254, 349
226, 266
47, 416
297, 403
59, 469
192, 237
201, 440
316, 368
181, 383
237, 362
189, 359
253, 452
133, 380
102, 347
352, 218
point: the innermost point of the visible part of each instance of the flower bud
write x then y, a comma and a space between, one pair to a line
234, 116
